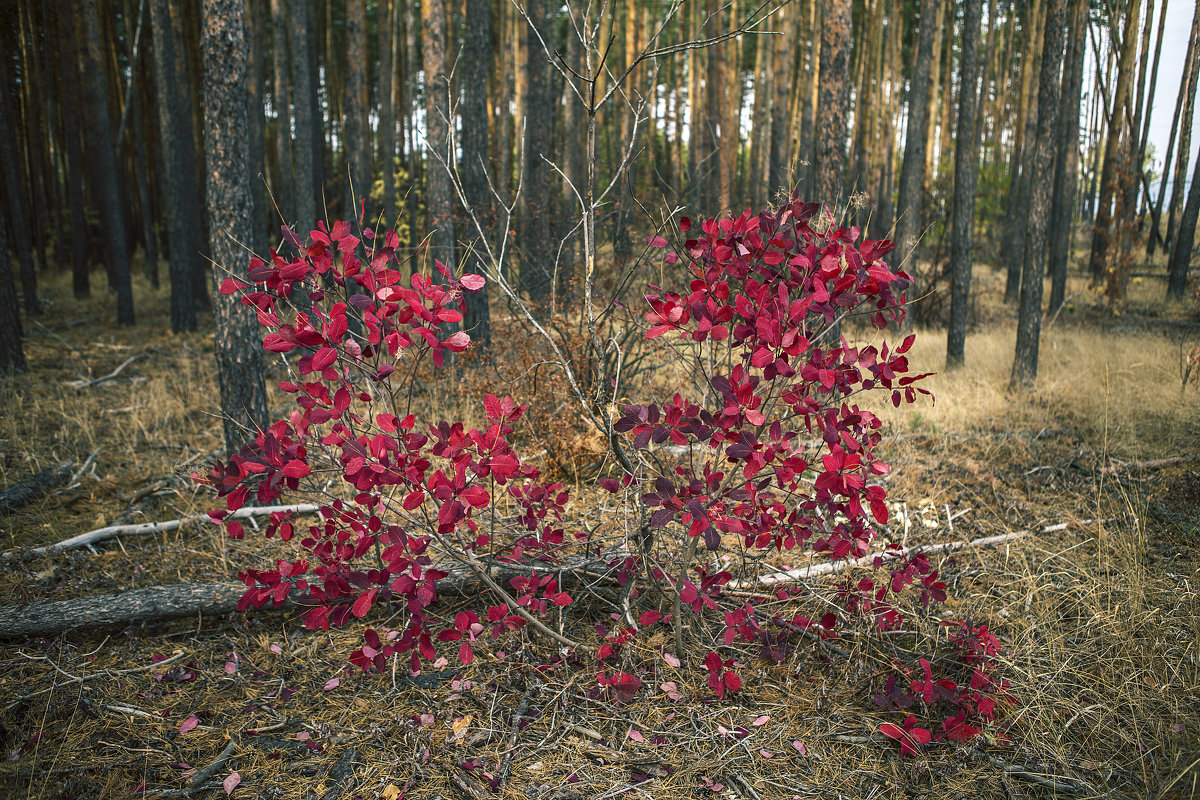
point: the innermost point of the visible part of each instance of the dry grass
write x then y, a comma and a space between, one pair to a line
1101, 623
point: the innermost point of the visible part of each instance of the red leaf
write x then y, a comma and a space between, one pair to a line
363, 604
189, 723
231, 782
323, 358
472, 283
296, 469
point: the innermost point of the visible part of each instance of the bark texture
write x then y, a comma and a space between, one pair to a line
1029, 323
102, 158
1066, 163
912, 171
833, 101
533, 232
179, 188
230, 220
12, 352
1181, 253
158, 603
473, 170
965, 174
439, 197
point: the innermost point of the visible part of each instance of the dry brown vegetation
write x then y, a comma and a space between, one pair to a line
1101, 622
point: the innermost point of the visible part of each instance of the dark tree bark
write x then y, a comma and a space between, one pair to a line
1022, 156
1113, 152
230, 219
179, 186
387, 109
67, 80
1029, 323
15, 202
12, 353
966, 158
1184, 87
102, 158
1185, 140
533, 232
356, 142
438, 197
284, 189
307, 137
257, 122
1066, 163
157, 603
912, 171
833, 102
1181, 255
151, 604
474, 116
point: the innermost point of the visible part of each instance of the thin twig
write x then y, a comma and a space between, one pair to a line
85, 384
91, 537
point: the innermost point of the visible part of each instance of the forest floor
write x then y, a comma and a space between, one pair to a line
1100, 621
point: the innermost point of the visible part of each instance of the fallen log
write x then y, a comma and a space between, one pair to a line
30, 489
160, 603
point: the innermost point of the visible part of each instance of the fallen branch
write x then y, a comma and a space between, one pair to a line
212, 769
1135, 466
159, 603
830, 567
86, 384
1053, 782
100, 534
31, 488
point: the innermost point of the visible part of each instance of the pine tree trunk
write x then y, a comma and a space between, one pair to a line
12, 354
386, 24
356, 143
257, 132
1147, 204
1184, 85
438, 196
231, 220
1029, 323
966, 159
534, 204
912, 169
833, 102
1185, 138
307, 139
1098, 260
102, 157
67, 81
15, 201
284, 189
1022, 156
1181, 256
778, 175
474, 117
178, 155
1066, 163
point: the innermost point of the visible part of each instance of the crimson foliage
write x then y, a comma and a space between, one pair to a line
778, 452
